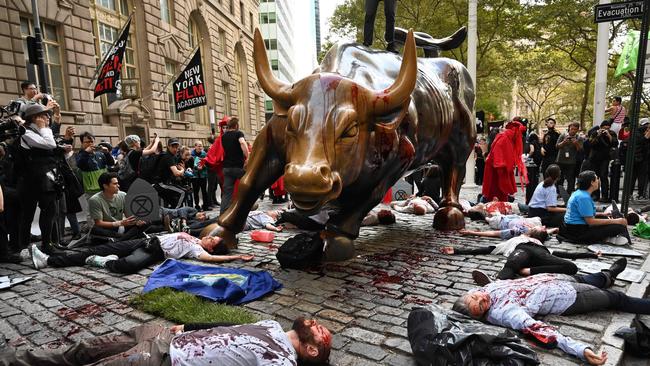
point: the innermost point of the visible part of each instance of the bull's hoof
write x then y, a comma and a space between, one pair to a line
449, 218
228, 236
337, 248
449, 203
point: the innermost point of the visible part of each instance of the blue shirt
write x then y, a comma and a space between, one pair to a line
580, 205
544, 197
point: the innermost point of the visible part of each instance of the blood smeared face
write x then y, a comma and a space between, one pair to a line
314, 335
478, 303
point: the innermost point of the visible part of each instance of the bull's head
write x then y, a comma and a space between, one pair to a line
330, 119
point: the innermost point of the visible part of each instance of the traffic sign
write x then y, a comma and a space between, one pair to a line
618, 11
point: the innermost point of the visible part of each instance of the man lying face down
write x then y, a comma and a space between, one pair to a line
261, 343
515, 303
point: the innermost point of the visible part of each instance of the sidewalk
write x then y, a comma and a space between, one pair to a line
364, 301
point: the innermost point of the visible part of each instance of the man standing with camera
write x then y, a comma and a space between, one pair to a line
549, 144
603, 143
568, 146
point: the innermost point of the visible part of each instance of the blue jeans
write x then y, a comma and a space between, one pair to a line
230, 176
179, 213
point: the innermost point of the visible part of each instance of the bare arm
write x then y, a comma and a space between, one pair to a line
555, 209
244, 147
592, 221
152, 148
205, 257
488, 234
2, 200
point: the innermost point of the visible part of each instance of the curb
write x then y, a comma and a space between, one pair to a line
613, 345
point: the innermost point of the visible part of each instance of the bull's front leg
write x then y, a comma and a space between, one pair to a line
265, 166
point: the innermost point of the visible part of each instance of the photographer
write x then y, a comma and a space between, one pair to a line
603, 143
39, 181
10, 216
641, 155
568, 146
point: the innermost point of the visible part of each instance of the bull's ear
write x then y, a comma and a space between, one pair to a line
279, 109
396, 121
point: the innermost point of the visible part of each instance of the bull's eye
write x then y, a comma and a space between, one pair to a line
351, 131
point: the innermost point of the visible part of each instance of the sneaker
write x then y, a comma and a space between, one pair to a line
39, 258
617, 240
480, 278
99, 261
167, 223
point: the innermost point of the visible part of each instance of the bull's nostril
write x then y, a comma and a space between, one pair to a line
325, 171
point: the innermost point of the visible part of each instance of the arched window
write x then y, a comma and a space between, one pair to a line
241, 83
194, 39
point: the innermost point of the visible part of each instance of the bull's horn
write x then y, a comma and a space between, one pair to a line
278, 90
386, 100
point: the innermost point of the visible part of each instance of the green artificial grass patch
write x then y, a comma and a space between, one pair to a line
185, 308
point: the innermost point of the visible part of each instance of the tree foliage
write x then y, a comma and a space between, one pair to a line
547, 48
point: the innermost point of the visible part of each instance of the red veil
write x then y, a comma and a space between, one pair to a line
505, 155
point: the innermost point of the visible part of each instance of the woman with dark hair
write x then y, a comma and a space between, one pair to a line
543, 203
580, 224
39, 180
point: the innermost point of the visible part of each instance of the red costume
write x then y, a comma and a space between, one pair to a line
505, 155
214, 158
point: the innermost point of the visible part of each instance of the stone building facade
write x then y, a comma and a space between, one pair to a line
162, 36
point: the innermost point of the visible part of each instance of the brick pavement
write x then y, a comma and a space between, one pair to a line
365, 301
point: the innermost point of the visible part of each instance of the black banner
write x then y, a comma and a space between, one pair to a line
108, 80
189, 88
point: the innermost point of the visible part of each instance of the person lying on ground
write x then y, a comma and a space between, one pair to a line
261, 343
415, 205
526, 255
263, 220
379, 217
510, 226
543, 203
482, 210
580, 224
294, 219
133, 255
515, 304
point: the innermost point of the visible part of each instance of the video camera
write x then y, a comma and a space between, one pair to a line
10, 126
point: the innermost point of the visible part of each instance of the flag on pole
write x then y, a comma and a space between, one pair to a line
629, 55
108, 80
189, 87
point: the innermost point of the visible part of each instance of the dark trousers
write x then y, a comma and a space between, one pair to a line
601, 168
592, 295
230, 176
641, 175
538, 259
480, 170
132, 253
12, 217
143, 345
47, 203
130, 233
585, 234
568, 173
213, 183
550, 219
201, 184
390, 6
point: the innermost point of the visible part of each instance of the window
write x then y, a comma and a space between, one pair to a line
226, 98
107, 36
232, 7
268, 106
53, 59
166, 11
271, 44
242, 18
108, 4
193, 34
270, 18
274, 65
222, 41
250, 20
170, 72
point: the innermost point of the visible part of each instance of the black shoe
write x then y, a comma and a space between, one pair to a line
33, 238
616, 213
391, 48
615, 269
76, 236
480, 278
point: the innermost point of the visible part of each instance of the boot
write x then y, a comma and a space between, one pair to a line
480, 278
614, 270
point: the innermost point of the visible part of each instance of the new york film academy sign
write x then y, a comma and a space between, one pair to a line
189, 87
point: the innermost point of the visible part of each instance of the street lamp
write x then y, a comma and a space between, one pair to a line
471, 67
38, 48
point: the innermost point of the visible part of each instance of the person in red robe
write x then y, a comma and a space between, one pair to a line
505, 155
214, 158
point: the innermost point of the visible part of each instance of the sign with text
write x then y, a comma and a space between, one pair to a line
108, 80
618, 11
189, 88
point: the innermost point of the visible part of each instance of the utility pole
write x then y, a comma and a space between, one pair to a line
600, 84
471, 67
42, 75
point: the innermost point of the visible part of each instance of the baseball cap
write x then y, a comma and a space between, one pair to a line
173, 141
644, 121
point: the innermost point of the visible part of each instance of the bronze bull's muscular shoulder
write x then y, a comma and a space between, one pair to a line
345, 134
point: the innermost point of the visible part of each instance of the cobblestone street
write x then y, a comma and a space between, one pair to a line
365, 301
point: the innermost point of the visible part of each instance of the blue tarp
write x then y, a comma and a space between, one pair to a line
227, 285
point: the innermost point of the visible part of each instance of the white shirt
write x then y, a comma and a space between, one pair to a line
41, 138
177, 246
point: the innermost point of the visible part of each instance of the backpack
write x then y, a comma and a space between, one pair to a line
149, 168
301, 251
125, 172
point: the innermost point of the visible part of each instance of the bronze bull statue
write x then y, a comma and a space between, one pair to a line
345, 134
